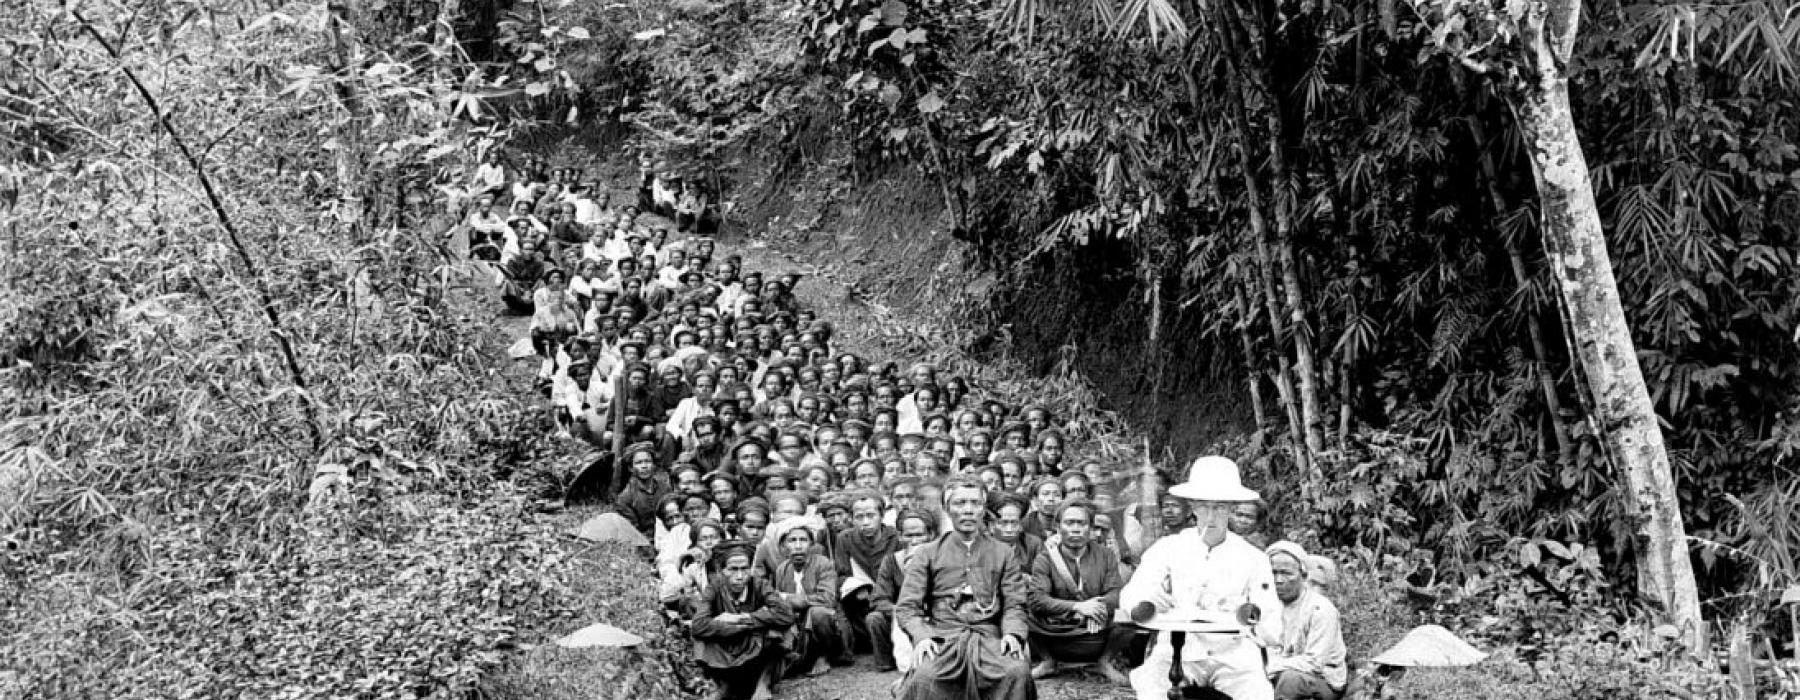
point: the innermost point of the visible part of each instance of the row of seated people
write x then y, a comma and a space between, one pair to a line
805, 583
684, 200
809, 504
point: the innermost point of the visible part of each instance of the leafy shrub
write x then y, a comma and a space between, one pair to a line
410, 597
1539, 647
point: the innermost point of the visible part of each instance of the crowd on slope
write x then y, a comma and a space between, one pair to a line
808, 504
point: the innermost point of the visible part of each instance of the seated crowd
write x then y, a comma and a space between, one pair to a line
808, 504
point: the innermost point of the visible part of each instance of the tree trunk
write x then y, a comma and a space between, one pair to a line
1252, 376
1305, 364
1600, 340
1284, 377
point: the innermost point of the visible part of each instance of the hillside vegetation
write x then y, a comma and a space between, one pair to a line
1310, 235
1316, 233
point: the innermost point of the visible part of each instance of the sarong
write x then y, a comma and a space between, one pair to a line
970, 665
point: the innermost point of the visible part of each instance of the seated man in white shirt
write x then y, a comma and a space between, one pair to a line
587, 211
490, 177
1309, 663
673, 267
1205, 573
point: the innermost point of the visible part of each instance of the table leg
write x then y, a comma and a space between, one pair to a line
1177, 677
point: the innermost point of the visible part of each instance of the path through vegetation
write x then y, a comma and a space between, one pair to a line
549, 672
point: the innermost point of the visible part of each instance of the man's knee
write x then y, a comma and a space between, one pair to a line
876, 622
1016, 669
1294, 685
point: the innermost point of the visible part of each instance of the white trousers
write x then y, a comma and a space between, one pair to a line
1242, 676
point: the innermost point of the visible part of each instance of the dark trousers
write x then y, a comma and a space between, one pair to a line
1294, 685
821, 634
740, 681
881, 629
856, 613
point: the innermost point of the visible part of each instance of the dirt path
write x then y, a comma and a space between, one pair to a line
861, 326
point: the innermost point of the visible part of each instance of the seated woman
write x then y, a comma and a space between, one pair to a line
738, 629
1075, 586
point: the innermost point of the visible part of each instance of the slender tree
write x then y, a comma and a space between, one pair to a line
1528, 52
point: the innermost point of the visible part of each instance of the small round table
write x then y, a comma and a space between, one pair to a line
1178, 630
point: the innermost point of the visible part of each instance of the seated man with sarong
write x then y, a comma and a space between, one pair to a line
1209, 575
963, 605
808, 582
861, 551
893, 649
738, 627
1309, 663
1075, 586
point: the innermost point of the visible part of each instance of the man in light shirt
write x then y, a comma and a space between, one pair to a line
1309, 663
1205, 573
588, 212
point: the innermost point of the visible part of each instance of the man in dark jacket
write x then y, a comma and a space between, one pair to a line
1075, 586
963, 604
892, 651
738, 627
860, 551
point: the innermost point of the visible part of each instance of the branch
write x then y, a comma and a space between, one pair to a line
276, 330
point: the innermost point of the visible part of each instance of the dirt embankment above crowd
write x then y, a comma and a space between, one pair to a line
886, 238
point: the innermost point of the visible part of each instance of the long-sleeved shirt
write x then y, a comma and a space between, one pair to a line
554, 310
490, 222
889, 580
490, 176
1208, 579
952, 585
1095, 574
861, 554
1312, 639
587, 211
811, 585
681, 420
728, 646
637, 501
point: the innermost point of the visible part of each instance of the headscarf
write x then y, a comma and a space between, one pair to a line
1320, 571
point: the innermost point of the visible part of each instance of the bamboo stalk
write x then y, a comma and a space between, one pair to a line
1534, 327
277, 330
1284, 388
1251, 375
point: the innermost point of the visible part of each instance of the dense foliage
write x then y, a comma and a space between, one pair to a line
224, 278
217, 279
1331, 202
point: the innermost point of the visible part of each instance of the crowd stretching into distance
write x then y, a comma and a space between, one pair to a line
808, 504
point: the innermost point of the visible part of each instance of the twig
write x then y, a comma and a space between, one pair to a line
276, 329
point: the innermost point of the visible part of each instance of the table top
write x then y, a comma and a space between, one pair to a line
1189, 621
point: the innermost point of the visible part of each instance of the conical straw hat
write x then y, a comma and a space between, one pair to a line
599, 635
1430, 645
